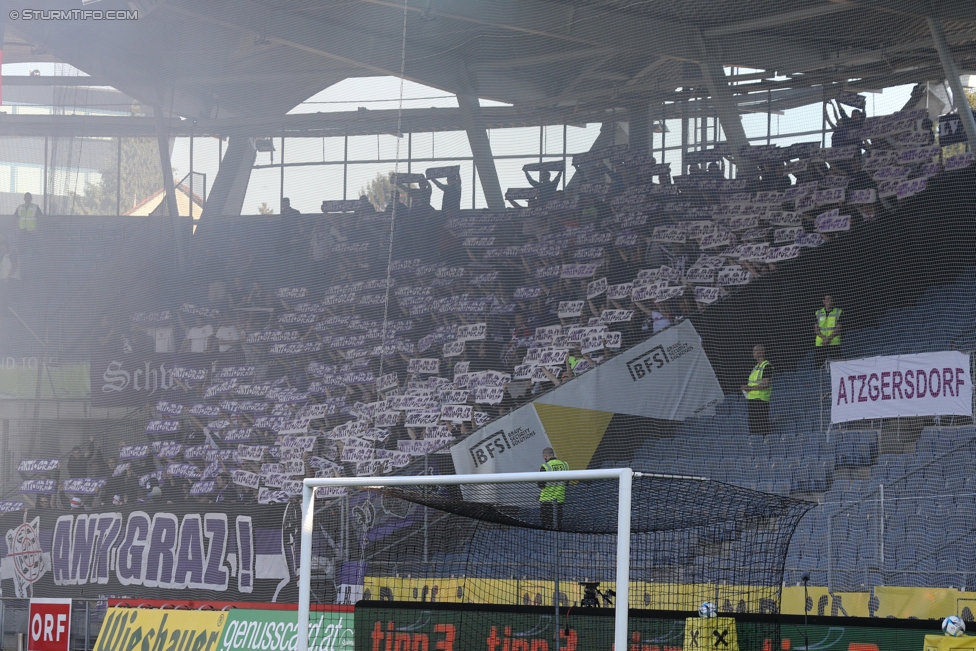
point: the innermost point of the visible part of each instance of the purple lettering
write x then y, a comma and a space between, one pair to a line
82, 545
129, 568
842, 391
896, 377
189, 555
909, 376
947, 382
873, 391
215, 528
61, 550
860, 394
933, 391
245, 554
922, 384
162, 549
109, 528
960, 380
884, 385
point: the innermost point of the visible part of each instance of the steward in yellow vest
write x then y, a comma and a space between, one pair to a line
758, 391
27, 214
828, 323
553, 494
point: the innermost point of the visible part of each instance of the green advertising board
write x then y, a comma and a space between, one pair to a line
386, 627
856, 638
277, 630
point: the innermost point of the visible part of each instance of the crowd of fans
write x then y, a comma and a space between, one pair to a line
365, 362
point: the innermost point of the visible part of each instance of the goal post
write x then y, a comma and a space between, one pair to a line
623, 476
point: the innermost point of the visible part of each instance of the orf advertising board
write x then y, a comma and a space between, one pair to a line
49, 625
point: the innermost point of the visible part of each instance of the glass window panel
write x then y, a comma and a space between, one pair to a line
303, 150
264, 187
29, 179
580, 139
376, 147
754, 125
510, 173
206, 160
801, 118
518, 141
448, 144
361, 175
552, 139
422, 145
307, 187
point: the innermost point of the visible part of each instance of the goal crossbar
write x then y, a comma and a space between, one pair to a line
624, 477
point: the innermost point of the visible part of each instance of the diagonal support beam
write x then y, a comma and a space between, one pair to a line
952, 76
474, 126
162, 138
724, 102
229, 187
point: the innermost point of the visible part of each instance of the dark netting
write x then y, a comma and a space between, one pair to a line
693, 541
245, 242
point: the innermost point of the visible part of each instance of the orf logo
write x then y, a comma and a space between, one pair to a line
49, 625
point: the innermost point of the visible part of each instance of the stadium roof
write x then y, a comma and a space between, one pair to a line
250, 59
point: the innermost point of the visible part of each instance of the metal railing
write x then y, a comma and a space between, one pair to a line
86, 620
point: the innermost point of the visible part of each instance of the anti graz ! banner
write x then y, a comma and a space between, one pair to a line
926, 384
132, 380
225, 553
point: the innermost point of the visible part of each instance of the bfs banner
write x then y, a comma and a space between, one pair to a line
927, 384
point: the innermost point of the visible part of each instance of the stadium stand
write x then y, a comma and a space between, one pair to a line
484, 292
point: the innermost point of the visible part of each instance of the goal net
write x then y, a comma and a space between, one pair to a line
610, 556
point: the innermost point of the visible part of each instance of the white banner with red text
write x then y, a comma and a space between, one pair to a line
926, 384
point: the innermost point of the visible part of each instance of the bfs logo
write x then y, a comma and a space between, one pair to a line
643, 365
488, 447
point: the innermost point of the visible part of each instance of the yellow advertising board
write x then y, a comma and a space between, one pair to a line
948, 643
526, 592
139, 629
823, 602
710, 634
884, 601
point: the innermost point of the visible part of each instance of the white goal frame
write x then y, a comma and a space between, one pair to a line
624, 477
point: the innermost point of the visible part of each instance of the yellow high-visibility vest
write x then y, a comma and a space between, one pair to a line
754, 379
27, 217
555, 491
828, 321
